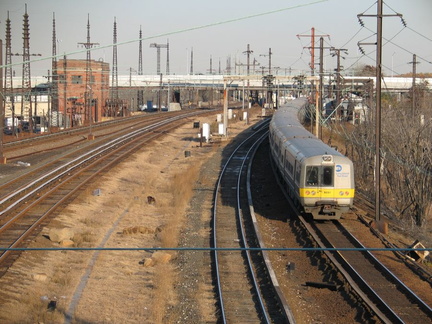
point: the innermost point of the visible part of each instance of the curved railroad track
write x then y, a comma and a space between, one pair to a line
245, 291
28, 200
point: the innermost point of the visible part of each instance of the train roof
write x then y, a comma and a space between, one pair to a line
294, 135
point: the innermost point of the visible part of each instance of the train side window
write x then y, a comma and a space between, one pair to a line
311, 175
327, 176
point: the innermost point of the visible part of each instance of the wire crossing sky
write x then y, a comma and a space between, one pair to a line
220, 31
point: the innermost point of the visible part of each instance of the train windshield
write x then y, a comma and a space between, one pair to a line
321, 176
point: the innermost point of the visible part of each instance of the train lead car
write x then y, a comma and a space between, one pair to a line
319, 179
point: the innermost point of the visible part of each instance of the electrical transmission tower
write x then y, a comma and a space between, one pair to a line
8, 84
158, 47
114, 76
88, 91
54, 87
140, 93
26, 76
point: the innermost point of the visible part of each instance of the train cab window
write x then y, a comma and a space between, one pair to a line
311, 175
327, 176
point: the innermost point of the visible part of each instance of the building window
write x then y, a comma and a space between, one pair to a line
77, 79
61, 78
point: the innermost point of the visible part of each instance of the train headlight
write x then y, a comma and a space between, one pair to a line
327, 158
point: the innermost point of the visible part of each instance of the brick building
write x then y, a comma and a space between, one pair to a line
77, 101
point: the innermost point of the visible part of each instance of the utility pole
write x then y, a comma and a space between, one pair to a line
64, 91
88, 91
211, 65
191, 62
378, 44
248, 52
320, 95
319, 90
312, 47
337, 53
269, 55
312, 67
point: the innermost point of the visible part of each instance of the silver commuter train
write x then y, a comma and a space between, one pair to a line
318, 178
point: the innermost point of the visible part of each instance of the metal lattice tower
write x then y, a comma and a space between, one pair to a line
26, 77
88, 45
54, 90
140, 93
114, 79
8, 85
140, 63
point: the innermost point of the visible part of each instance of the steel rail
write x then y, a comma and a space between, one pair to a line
352, 282
279, 294
136, 144
252, 149
412, 294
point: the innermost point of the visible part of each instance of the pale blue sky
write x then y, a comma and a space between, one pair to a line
278, 31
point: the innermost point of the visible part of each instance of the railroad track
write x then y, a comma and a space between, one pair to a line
28, 201
389, 298
103, 129
245, 290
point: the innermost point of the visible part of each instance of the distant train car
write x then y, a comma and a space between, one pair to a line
319, 179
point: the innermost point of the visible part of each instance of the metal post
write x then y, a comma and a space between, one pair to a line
225, 109
378, 115
2, 112
320, 95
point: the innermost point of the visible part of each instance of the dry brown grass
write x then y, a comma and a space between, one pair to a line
81, 239
61, 278
181, 189
162, 293
33, 309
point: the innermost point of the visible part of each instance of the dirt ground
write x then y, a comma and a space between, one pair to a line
124, 285
134, 283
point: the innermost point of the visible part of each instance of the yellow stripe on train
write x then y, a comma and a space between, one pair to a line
326, 193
